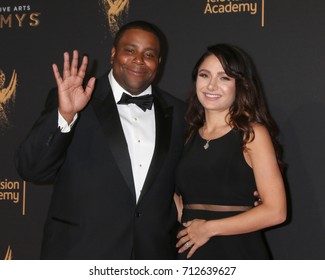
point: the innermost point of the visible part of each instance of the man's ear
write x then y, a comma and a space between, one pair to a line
112, 54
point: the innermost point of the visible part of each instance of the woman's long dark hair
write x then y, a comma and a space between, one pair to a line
249, 106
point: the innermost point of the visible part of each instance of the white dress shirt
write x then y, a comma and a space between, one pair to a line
139, 128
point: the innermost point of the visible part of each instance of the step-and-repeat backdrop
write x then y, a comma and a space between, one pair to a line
285, 38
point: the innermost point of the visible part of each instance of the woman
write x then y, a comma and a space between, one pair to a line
230, 151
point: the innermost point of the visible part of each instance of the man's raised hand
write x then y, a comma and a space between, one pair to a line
72, 96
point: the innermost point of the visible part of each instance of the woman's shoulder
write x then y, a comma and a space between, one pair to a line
259, 128
261, 135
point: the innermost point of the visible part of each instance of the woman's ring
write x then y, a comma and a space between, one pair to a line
187, 244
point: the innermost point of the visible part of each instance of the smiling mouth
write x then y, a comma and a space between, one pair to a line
137, 73
210, 95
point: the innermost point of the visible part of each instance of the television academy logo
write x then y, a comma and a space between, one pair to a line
14, 192
251, 7
115, 10
18, 16
7, 95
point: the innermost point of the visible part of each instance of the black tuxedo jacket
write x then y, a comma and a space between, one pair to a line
93, 213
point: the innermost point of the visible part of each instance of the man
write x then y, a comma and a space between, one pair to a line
112, 163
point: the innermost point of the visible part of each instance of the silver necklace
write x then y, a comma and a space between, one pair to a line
206, 145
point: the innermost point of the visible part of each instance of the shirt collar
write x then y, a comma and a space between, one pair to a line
118, 90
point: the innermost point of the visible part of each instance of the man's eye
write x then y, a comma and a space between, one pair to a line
130, 51
149, 55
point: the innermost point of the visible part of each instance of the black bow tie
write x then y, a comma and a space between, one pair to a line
144, 102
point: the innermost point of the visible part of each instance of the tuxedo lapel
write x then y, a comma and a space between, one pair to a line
106, 110
163, 115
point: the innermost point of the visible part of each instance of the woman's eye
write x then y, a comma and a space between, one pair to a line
225, 78
203, 75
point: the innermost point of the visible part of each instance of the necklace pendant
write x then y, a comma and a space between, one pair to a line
206, 145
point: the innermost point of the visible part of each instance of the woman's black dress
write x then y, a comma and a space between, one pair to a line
219, 175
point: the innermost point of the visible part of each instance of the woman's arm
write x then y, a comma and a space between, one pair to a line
179, 205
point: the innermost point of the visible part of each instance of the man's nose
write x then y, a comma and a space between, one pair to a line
138, 58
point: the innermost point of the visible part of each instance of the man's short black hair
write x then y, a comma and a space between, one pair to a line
142, 25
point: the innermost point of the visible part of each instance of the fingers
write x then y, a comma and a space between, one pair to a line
66, 65
188, 245
184, 244
192, 251
81, 72
74, 63
83, 67
191, 237
73, 70
57, 74
90, 86
182, 241
183, 235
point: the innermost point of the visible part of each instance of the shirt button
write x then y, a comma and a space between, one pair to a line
138, 214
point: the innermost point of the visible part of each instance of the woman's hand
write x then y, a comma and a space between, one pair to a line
195, 235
